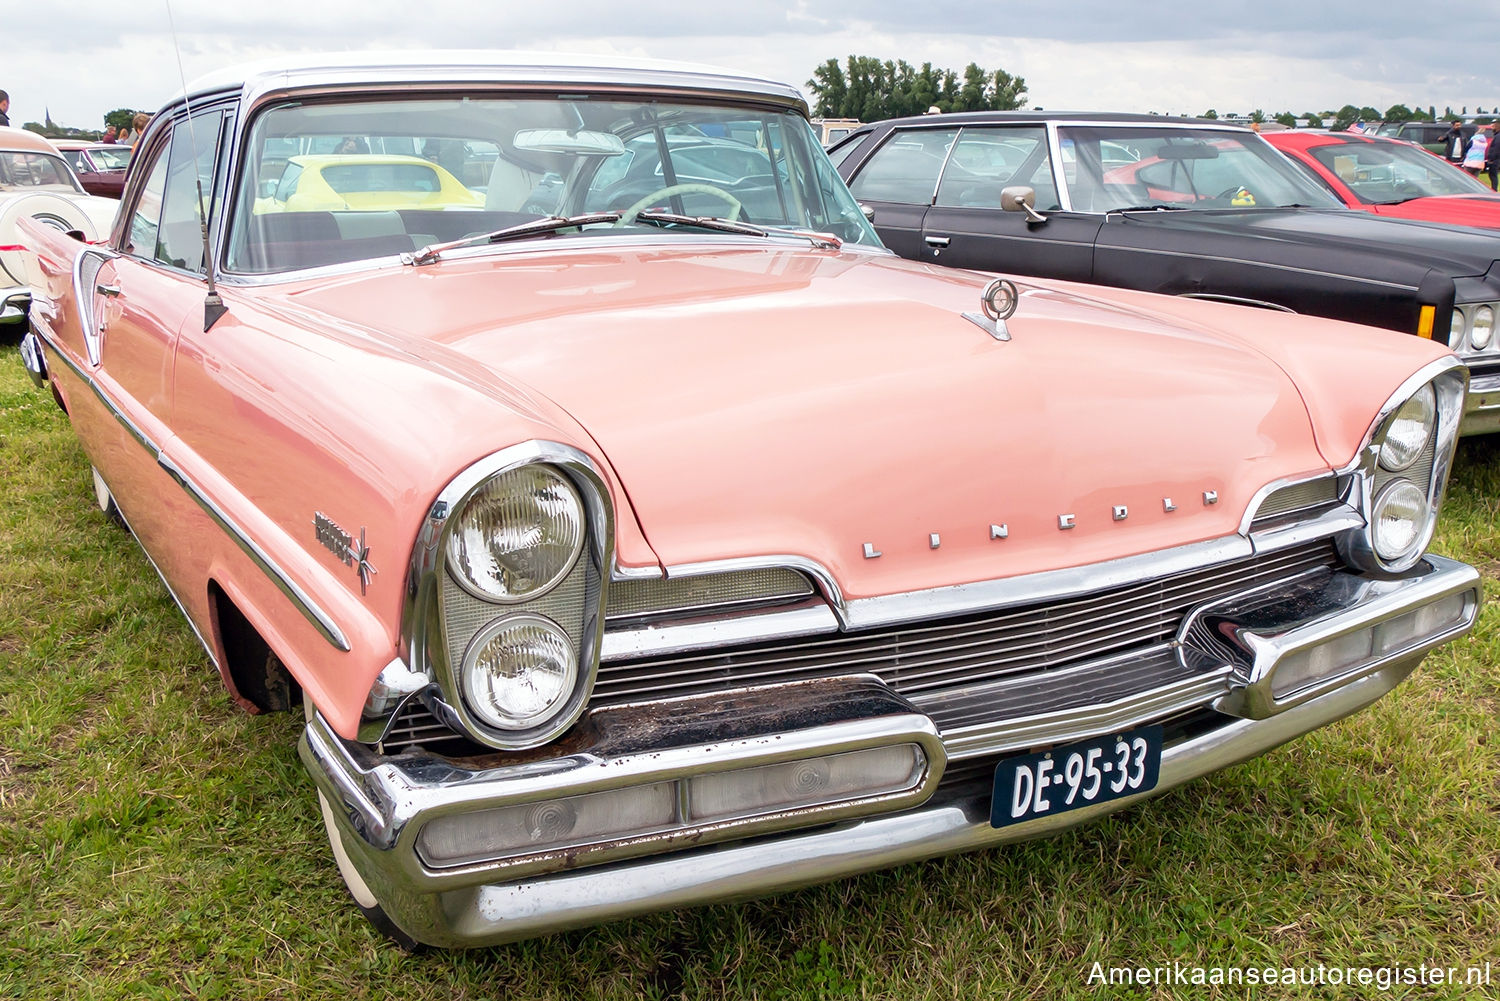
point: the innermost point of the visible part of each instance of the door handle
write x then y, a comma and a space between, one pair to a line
937, 241
108, 291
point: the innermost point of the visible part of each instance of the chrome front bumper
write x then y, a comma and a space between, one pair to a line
1482, 406
381, 803
33, 359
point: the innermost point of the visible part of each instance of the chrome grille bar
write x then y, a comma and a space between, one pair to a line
924, 658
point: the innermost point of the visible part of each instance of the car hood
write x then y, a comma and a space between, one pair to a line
1453, 210
1368, 246
807, 403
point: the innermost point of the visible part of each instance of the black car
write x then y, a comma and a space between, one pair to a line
1178, 206
1428, 134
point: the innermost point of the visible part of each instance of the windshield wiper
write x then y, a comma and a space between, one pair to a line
822, 241
1157, 207
659, 218
536, 227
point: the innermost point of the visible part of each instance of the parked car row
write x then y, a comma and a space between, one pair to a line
1176, 206
636, 531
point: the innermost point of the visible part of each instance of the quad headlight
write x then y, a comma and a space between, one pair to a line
518, 671
1405, 467
1473, 327
518, 535
514, 563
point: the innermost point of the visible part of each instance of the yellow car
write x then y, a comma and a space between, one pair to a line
365, 182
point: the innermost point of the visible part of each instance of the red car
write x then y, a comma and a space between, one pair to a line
1391, 178
100, 166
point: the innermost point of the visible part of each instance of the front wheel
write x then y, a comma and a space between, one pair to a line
364, 899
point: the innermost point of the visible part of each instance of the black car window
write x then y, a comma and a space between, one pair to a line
906, 168
1118, 167
986, 160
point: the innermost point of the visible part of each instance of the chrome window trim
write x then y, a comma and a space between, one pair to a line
423, 636
304, 604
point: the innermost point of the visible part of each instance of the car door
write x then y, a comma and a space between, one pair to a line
899, 180
967, 228
142, 296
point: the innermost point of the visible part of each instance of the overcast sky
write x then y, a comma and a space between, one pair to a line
83, 58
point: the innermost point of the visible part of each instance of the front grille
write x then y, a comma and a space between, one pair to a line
1299, 497
926, 658
942, 666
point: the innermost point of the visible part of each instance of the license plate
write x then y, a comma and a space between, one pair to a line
1075, 775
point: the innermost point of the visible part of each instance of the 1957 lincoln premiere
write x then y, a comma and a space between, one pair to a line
639, 533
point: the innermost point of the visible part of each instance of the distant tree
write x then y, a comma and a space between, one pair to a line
1344, 117
1257, 115
1314, 120
1211, 115
120, 118
1369, 114
1397, 113
1288, 119
36, 127
870, 89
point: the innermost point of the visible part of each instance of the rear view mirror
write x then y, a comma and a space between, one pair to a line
1187, 151
579, 143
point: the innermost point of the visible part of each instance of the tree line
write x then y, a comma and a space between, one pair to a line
869, 89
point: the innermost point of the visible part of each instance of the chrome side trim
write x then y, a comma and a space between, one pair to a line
310, 609
304, 604
1342, 518
207, 648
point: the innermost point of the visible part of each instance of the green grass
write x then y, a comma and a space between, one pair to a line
157, 842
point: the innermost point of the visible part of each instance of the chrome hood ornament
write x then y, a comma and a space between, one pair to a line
998, 302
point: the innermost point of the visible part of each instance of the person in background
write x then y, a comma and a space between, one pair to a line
4, 108
109, 136
138, 125
1478, 147
1454, 145
1492, 160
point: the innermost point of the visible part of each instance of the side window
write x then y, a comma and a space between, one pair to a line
985, 161
189, 192
906, 168
145, 221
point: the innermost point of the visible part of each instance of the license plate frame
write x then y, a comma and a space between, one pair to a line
1109, 766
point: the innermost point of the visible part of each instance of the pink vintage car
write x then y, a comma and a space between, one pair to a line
647, 535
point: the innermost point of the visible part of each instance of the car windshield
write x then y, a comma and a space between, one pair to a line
25, 171
1386, 173
1124, 167
338, 181
110, 157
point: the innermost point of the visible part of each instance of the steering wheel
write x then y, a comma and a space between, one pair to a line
629, 214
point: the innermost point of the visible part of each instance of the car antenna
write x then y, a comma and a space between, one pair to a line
213, 305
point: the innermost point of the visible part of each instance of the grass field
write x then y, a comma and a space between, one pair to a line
156, 842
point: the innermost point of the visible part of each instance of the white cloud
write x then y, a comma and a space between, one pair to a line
86, 58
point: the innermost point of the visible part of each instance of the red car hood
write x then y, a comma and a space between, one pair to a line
1456, 210
805, 402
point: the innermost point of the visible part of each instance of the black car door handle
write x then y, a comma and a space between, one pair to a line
937, 241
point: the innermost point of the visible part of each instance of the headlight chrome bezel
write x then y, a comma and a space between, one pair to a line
1373, 478
425, 639
1466, 324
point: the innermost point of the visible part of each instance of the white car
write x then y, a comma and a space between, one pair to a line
36, 181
